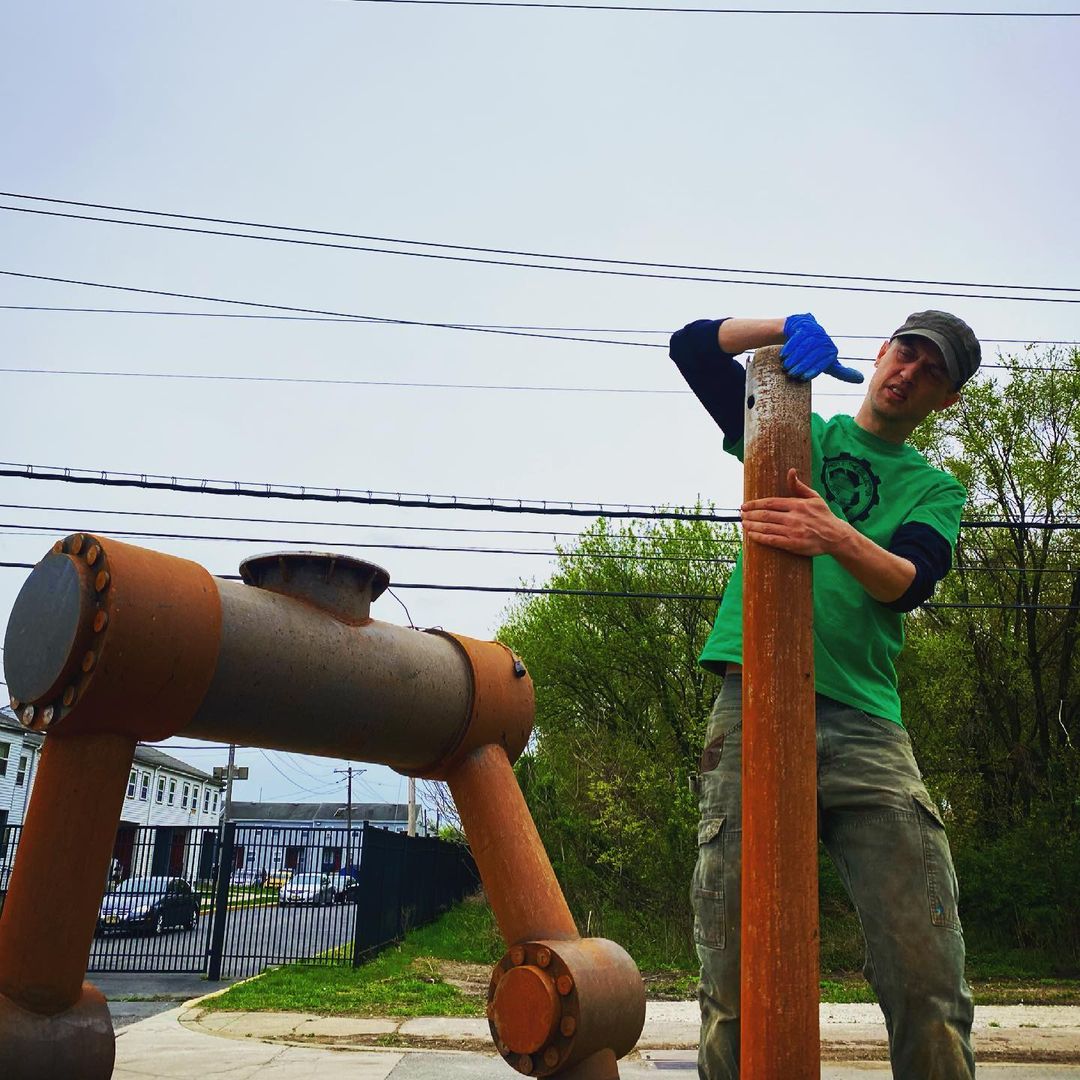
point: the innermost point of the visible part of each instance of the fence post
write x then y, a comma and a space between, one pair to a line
221, 900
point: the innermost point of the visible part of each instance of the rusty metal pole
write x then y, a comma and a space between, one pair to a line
779, 997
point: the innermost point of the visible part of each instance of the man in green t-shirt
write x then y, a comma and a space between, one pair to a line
881, 525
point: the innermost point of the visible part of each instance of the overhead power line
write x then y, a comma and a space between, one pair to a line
246, 519
521, 590
333, 544
289, 380
353, 495
469, 325
521, 253
45, 530
736, 11
389, 321
413, 500
568, 269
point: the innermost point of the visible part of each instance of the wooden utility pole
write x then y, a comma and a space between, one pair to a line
348, 812
780, 955
412, 806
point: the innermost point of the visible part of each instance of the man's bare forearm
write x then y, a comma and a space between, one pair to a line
738, 335
882, 574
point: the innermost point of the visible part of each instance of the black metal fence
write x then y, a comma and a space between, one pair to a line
232, 900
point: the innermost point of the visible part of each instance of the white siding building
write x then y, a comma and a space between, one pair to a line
309, 836
169, 817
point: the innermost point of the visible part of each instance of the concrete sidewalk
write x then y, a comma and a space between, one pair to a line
188, 1043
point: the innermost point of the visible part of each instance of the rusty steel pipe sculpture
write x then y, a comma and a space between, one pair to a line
779, 990
109, 644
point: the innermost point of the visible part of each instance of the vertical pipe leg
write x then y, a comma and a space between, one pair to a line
521, 885
780, 1037
52, 1023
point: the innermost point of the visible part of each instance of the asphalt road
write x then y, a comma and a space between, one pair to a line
254, 938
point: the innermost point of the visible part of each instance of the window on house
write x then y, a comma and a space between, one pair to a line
133, 780
206, 801
144, 787
172, 792
160, 789
4, 749
195, 799
215, 801
185, 798
20, 774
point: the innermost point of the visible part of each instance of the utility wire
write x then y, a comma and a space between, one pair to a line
490, 250
45, 530
478, 326
736, 11
286, 521
352, 495
639, 511
305, 381
478, 260
326, 544
521, 590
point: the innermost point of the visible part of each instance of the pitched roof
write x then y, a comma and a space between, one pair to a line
150, 756
284, 811
155, 758
8, 722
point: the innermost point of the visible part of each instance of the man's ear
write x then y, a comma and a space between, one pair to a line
951, 400
882, 351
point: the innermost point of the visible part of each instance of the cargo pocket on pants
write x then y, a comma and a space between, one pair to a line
707, 887
941, 886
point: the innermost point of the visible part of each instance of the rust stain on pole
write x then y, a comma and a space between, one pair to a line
780, 1037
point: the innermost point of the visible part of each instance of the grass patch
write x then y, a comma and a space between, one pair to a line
405, 980
441, 970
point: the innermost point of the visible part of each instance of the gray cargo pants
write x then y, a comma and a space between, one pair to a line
887, 840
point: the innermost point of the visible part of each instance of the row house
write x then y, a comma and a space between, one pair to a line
168, 821
312, 837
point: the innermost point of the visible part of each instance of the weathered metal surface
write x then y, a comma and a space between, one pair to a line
77, 1043
553, 1005
341, 585
131, 639
145, 645
290, 677
780, 1038
521, 885
501, 709
60, 869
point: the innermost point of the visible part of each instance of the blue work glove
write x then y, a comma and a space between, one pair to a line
809, 351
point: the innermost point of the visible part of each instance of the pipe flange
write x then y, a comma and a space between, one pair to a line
533, 1009
48, 667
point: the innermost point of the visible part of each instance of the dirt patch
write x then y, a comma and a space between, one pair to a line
470, 979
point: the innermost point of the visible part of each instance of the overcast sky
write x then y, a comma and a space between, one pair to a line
926, 148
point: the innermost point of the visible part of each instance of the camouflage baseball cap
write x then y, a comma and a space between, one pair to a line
956, 340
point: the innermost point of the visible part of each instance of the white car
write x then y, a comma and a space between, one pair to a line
307, 889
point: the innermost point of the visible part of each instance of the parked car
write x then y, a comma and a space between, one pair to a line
346, 885
249, 877
277, 879
149, 905
307, 889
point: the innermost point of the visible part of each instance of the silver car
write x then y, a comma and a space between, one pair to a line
307, 889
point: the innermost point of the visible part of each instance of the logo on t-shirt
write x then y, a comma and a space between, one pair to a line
851, 484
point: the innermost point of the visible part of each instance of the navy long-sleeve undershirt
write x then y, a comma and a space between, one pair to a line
718, 381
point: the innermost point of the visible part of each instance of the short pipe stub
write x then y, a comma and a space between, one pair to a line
337, 584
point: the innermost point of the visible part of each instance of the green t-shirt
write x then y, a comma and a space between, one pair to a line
877, 486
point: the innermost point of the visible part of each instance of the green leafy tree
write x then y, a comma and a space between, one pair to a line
621, 708
992, 688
